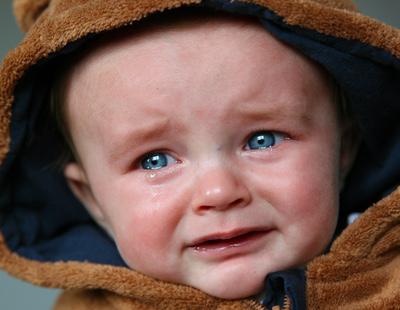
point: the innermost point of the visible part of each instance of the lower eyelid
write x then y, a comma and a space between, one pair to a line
161, 175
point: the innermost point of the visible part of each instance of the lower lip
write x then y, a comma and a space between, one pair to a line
240, 245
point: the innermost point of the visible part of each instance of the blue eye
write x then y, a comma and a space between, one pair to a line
155, 161
264, 140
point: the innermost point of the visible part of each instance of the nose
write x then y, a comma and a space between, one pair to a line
219, 189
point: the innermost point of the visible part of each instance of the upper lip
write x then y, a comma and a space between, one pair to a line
226, 235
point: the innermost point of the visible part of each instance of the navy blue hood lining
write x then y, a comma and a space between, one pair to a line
42, 220
280, 285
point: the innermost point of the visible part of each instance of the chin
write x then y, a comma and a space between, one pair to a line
231, 286
234, 290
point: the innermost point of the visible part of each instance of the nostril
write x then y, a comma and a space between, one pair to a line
204, 208
232, 204
237, 202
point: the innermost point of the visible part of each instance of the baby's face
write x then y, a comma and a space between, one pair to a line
211, 154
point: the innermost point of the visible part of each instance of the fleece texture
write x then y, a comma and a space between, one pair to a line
362, 268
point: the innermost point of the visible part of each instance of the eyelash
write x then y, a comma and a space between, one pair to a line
283, 136
153, 155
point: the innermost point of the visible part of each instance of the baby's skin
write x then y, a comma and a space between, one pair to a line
208, 150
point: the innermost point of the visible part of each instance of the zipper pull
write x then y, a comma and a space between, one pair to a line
284, 290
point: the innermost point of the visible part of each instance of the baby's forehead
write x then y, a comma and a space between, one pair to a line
179, 40
182, 32
158, 60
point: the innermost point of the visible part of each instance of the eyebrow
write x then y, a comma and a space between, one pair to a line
277, 113
136, 136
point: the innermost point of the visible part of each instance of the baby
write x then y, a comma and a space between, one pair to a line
210, 152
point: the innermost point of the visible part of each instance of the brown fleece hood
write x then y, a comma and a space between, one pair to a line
48, 239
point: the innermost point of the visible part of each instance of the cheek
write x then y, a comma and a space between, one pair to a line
310, 194
145, 221
139, 217
137, 242
311, 209
303, 191
297, 192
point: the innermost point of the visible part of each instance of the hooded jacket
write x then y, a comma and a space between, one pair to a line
48, 239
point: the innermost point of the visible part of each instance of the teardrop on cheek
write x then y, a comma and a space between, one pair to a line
162, 176
151, 176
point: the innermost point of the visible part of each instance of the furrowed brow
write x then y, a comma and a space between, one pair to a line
277, 113
125, 141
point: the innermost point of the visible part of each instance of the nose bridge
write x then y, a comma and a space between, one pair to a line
219, 187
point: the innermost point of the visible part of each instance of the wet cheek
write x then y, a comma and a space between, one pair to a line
146, 228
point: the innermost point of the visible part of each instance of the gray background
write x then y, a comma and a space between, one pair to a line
15, 294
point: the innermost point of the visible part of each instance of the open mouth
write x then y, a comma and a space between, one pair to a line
222, 243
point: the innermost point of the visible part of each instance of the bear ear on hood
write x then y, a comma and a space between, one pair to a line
27, 11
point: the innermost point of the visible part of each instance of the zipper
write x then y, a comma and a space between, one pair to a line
287, 305
254, 305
